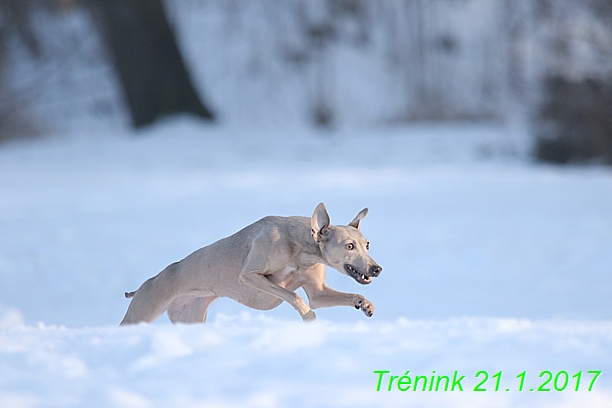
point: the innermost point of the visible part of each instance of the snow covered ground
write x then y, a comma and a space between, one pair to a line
490, 263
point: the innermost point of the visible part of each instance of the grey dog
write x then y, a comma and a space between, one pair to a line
260, 266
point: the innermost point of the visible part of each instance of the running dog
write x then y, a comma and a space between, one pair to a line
261, 266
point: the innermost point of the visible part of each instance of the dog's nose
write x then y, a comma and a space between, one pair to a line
375, 270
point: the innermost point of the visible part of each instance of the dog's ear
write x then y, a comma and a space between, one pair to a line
319, 222
359, 217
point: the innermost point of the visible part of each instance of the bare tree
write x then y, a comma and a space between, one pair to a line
147, 59
14, 23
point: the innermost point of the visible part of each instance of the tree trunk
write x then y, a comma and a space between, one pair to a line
147, 59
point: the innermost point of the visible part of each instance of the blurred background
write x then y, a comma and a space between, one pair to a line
111, 64
133, 132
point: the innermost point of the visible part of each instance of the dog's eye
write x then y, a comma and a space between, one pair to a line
350, 246
368, 246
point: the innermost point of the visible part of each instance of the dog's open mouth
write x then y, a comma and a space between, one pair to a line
354, 273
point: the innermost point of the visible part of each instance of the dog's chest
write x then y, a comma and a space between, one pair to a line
283, 276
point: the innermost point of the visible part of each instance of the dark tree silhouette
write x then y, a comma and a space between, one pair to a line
147, 59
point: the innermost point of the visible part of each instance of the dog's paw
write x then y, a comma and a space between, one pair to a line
366, 306
310, 316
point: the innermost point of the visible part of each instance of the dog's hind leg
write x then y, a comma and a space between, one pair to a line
151, 299
189, 309
143, 310
145, 307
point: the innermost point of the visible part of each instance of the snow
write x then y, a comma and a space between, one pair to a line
266, 362
491, 262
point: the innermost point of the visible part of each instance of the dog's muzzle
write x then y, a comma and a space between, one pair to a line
362, 278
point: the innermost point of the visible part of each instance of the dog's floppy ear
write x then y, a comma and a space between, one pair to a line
319, 222
359, 217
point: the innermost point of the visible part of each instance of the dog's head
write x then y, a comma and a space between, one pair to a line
344, 247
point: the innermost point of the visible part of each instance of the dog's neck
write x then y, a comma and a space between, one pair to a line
309, 252
307, 259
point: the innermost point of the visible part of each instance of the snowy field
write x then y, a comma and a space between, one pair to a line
491, 262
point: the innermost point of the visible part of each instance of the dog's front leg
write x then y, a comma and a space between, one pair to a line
321, 295
256, 279
253, 274
327, 297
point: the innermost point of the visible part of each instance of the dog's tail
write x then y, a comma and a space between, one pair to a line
129, 295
